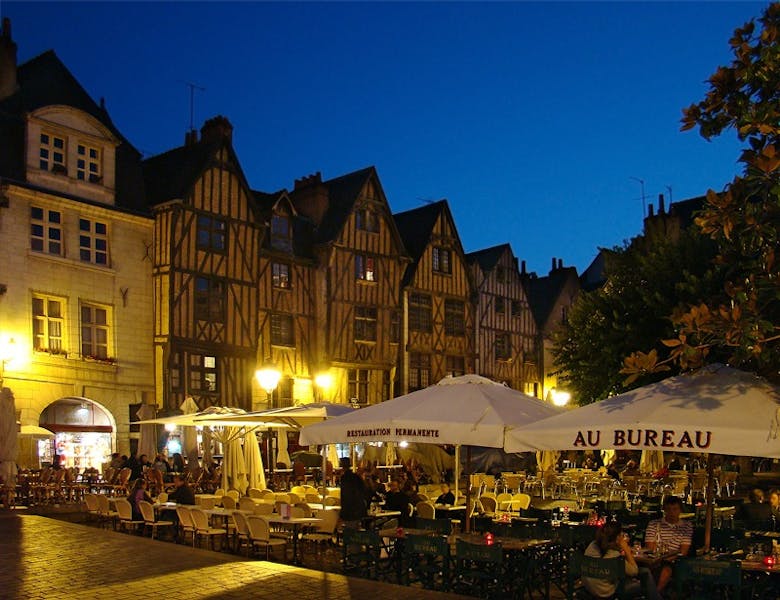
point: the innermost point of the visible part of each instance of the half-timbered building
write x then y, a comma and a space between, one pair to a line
206, 253
438, 297
357, 291
504, 328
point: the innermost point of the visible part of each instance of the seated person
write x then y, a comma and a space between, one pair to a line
611, 543
446, 496
632, 469
183, 493
395, 499
755, 513
674, 534
774, 505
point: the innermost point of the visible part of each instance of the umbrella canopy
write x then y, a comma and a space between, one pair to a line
309, 459
34, 431
716, 410
253, 461
651, 461
211, 416
9, 439
147, 443
468, 410
294, 416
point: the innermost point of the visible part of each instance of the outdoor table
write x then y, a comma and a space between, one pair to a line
446, 510
160, 506
316, 506
294, 523
199, 497
225, 514
375, 519
652, 560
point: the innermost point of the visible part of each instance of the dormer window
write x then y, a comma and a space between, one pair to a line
52, 154
88, 164
281, 233
367, 220
442, 261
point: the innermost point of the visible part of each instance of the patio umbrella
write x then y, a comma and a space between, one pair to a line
189, 435
651, 461
282, 456
467, 410
294, 416
547, 460
715, 410
253, 461
147, 443
234, 471
9, 439
28, 438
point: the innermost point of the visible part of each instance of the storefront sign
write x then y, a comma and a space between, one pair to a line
644, 438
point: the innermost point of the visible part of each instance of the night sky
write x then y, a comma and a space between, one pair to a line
530, 118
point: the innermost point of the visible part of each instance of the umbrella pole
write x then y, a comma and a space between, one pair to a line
708, 517
457, 470
324, 472
469, 500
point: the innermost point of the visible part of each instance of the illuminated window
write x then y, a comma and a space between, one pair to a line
48, 323
503, 346
283, 394
358, 385
88, 163
365, 323
419, 371
93, 242
364, 268
94, 331
211, 233
454, 320
203, 373
52, 154
46, 230
420, 313
282, 332
281, 233
209, 300
281, 275
442, 261
367, 220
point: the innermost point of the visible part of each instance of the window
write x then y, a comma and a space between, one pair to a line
367, 220
93, 242
358, 385
456, 366
499, 305
283, 394
52, 154
48, 323
88, 163
454, 321
209, 300
387, 386
94, 331
441, 260
419, 371
364, 268
503, 346
420, 313
281, 233
517, 308
282, 333
395, 327
281, 275
203, 373
500, 274
365, 323
175, 371
211, 233
45, 230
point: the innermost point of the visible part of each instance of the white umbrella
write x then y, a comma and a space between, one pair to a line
207, 443
189, 435
715, 410
147, 443
467, 410
9, 439
547, 460
294, 416
651, 461
234, 471
29, 435
282, 455
253, 461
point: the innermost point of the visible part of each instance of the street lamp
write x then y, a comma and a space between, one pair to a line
323, 381
560, 397
268, 377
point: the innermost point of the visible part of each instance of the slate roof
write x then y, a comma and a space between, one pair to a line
170, 175
46, 81
543, 292
488, 258
415, 227
686, 208
343, 191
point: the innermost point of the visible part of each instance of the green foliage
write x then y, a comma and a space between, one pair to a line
646, 283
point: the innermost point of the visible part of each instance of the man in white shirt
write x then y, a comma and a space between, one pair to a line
672, 533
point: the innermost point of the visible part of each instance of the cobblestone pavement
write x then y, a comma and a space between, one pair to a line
45, 558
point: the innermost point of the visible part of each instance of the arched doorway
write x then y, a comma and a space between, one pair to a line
83, 432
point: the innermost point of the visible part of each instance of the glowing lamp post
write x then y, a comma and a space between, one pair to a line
560, 397
324, 382
268, 377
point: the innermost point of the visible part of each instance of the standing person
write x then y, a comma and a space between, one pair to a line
674, 534
353, 495
137, 494
178, 463
611, 543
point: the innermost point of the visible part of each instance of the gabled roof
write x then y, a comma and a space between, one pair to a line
170, 175
488, 258
416, 226
543, 292
302, 228
342, 193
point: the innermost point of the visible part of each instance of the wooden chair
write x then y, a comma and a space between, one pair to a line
611, 569
260, 536
147, 511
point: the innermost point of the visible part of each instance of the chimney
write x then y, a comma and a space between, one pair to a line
216, 129
553, 263
310, 197
650, 210
522, 268
8, 83
660, 204
560, 263
191, 137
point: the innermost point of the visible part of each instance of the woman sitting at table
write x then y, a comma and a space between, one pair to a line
137, 494
611, 543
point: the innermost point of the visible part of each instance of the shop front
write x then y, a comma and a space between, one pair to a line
83, 433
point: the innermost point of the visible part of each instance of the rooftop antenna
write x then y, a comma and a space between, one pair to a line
669, 191
193, 87
644, 204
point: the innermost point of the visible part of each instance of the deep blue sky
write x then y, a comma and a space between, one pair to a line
530, 118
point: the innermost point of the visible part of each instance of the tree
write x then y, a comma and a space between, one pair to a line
646, 282
743, 322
